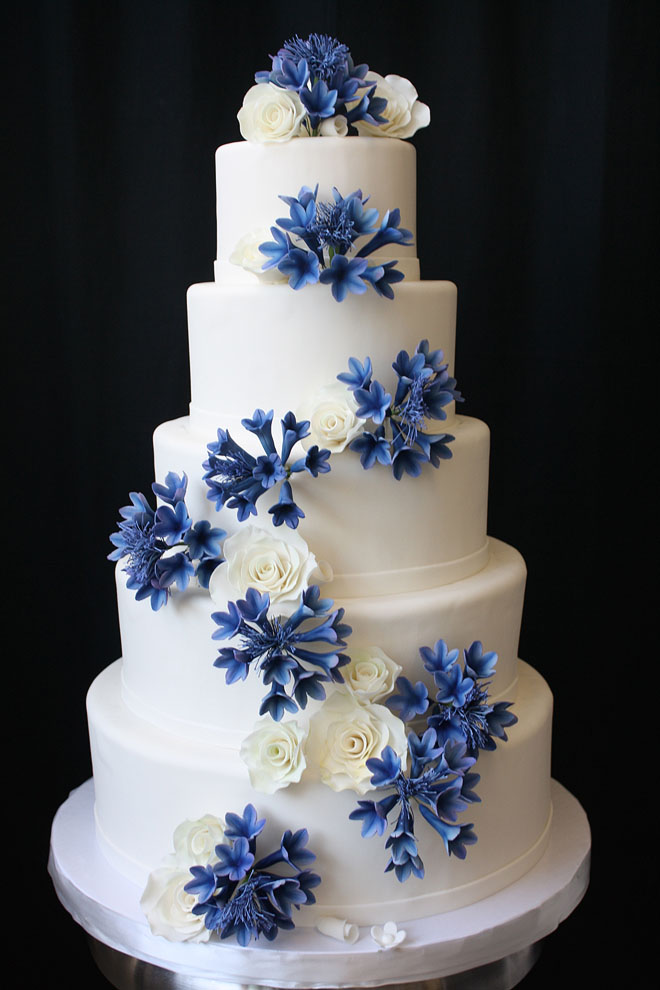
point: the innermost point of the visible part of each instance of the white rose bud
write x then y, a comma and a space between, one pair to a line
271, 114
195, 841
281, 567
333, 419
273, 754
168, 907
334, 127
246, 254
344, 734
371, 674
405, 114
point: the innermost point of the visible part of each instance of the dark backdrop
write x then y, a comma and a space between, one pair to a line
536, 196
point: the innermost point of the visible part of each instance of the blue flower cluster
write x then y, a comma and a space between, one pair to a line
241, 895
238, 479
325, 233
147, 536
438, 783
424, 388
460, 712
282, 650
321, 71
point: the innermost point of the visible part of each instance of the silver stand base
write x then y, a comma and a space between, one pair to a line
127, 973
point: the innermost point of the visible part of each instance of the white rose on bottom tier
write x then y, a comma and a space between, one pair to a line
344, 734
195, 841
270, 113
273, 754
168, 907
255, 558
404, 112
371, 674
333, 418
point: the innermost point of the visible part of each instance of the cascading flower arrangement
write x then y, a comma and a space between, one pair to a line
241, 895
320, 72
461, 710
424, 388
438, 782
238, 479
148, 537
315, 240
283, 650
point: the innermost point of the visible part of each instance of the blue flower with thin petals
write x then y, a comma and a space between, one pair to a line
174, 489
176, 569
358, 375
204, 541
283, 651
240, 895
172, 523
372, 403
301, 267
286, 510
411, 701
373, 448
344, 276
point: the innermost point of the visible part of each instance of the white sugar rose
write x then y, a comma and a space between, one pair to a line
256, 558
168, 907
274, 754
371, 674
271, 114
246, 254
404, 112
195, 841
344, 734
334, 127
333, 419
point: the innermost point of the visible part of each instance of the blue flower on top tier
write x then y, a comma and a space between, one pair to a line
424, 387
461, 710
294, 657
243, 896
238, 479
438, 783
313, 243
147, 538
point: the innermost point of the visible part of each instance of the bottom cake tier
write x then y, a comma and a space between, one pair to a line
148, 781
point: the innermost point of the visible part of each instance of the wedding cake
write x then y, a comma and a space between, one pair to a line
320, 717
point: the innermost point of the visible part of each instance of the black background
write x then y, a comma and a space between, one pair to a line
537, 195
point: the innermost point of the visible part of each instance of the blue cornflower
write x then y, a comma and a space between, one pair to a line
344, 276
435, 783
239, 895
323, 54
283, 651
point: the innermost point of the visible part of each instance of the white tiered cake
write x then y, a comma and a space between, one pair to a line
408, 559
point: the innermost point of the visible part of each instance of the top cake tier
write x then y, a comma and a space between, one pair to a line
250, 179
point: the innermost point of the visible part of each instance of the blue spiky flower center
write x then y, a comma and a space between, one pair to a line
323, 53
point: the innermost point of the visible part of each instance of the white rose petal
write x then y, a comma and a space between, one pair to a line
371, 674
274, 754
280, 567
195, 841
387, 937
405, 113
344, 734
339, 929
333, 418
168, 907
246, 254
271, 114
334, 127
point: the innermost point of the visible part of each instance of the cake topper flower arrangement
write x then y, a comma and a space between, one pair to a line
316, 243
314, 88
163, 547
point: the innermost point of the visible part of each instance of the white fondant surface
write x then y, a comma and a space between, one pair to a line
148, 781
106, 905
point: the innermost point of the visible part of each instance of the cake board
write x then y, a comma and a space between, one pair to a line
490, 945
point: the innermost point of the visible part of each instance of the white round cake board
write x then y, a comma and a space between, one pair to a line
106, 906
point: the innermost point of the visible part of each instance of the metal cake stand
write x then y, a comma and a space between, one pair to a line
490, 945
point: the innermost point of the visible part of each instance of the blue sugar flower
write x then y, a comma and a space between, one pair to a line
344, 276
453, 686
407, 460
323, 54
372, 447
269, 470
389, 232
283, 651
275, 250
373, 403
383, 277
174, 569
315, 462
239, 895
319, 102
301, 267
286, 510
440, 658
204, 541
477, 663
411, 701
174, 489
358, 375
172, 523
